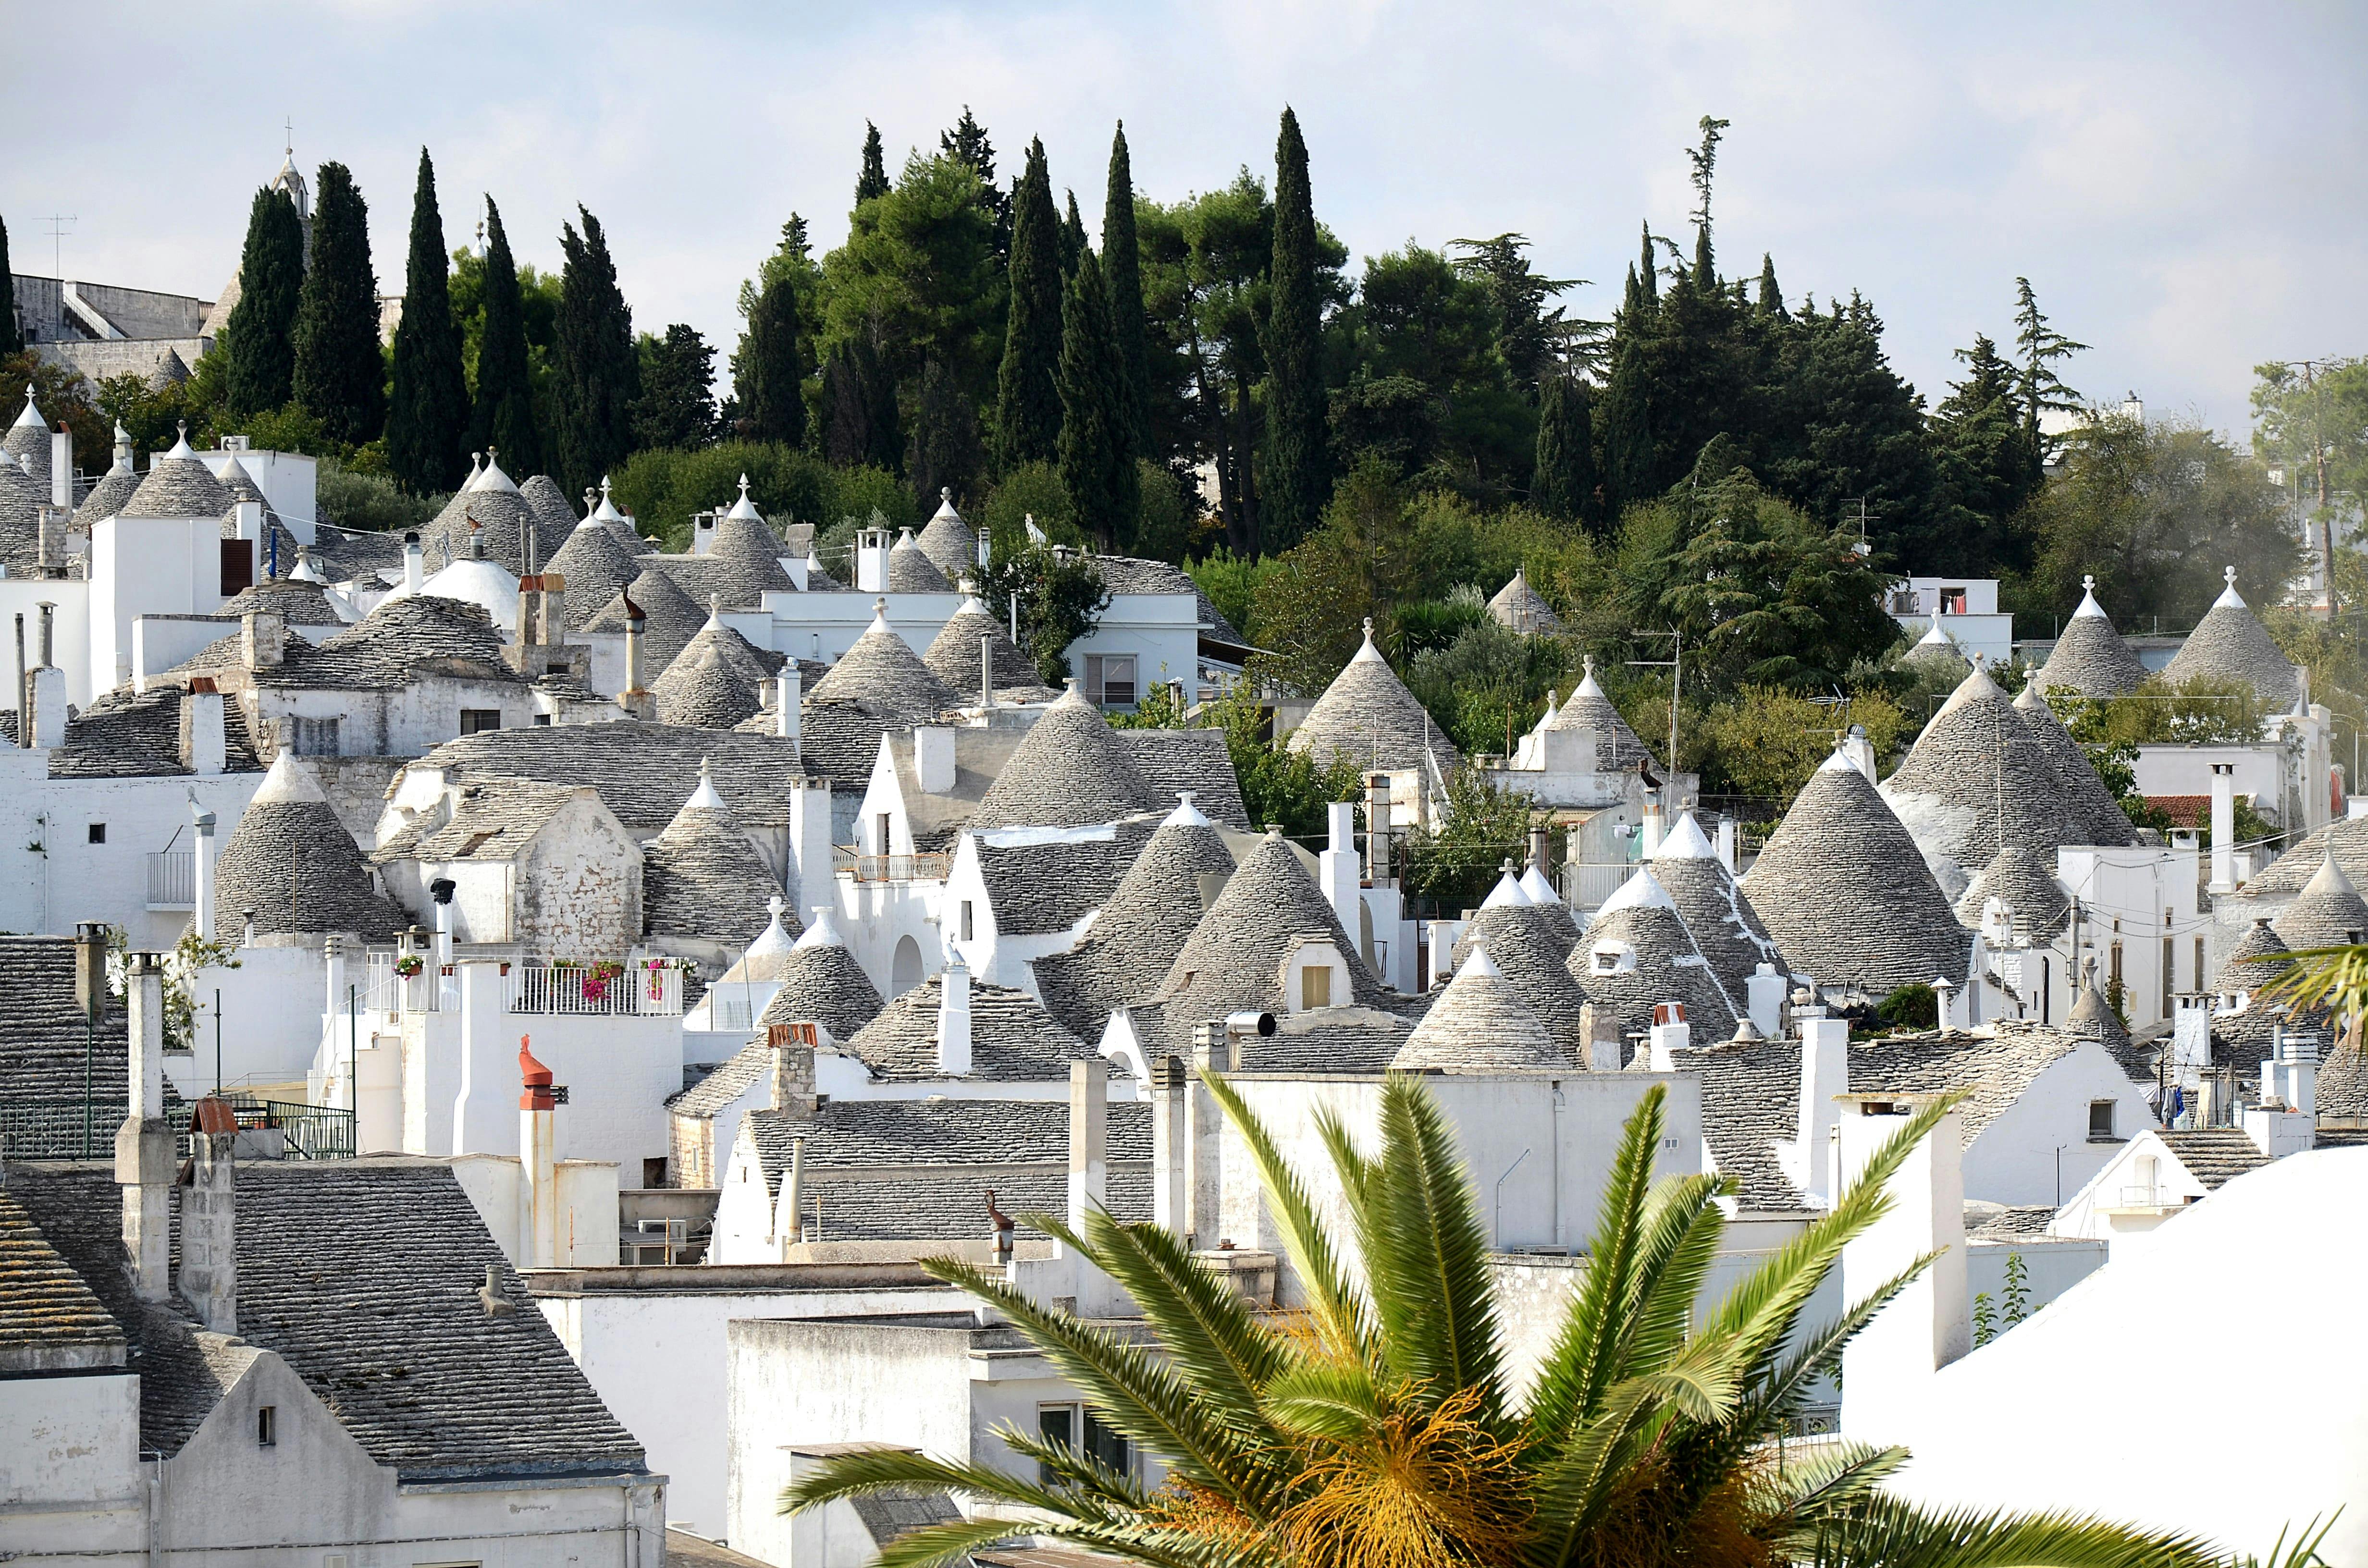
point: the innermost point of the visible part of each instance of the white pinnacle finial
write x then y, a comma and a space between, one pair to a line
744, 484
2229, 598
2228, 572
2088, 584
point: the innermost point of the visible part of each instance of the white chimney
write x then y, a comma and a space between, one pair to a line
872, 547
1825, 1076
415, 566
49, 706
209, 739
953, 1021
789, 691
809, 842
539, 1161
2224, 828
441, 891
1763, 992
62, 470
201, 855
1652, 845
1670, 1034
1088, 1139
1726, 859
208, 1219
1887, 1368
1861, 752
144, 1146
1338, 867
933, 758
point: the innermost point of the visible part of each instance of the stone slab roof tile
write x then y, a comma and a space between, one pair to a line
1012, 1037
1368, 717
645, 772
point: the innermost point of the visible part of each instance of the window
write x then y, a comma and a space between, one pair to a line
1315, 985
2199, 963
880, 845
317, 737
654, 1170
237, 565
1074, 1426
2100, 1120
475, 721
2113, 971
98, 833
1952, 601
965, 920
1110, 679
266, 1426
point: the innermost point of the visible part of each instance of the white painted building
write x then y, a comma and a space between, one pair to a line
1965, 609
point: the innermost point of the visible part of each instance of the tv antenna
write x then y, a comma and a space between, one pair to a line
59, 233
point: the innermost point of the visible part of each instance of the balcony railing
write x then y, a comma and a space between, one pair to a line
638, 986
172, 878
895, 867
53, 1127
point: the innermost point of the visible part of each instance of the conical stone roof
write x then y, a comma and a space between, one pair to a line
2257, 958
2229, 643
1233, 960
1711, 903
1127, 953
743, 559
947, 540
554, 514
604, 512
2108, 825
882, 673
953, 654
2329, 913
2020, 876
1636, 952
28, 439
910, 571
1479, 1025
1977, 777
766, 955
492, 501
178, 484
300, 601
1617, 747
1530, 945
171, 372
670, 618
822, 984
1367, 718
1518, 608
1846, 894
1066, 771
592, 567
296, 869
702, 877
114, 488
700, 689
2089, 657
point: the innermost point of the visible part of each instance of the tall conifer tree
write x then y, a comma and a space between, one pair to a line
873, 180
428, 418
259, 340
1026, 402
1122, 282
1771, 301
340, 373
767, 374
1564, 482
1073, 238
1096, 460
1295, 469
12, 332
944, 453
503, 416
600, 376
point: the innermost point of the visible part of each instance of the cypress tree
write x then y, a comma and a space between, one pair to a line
944, 453
1772, 298
873, 180
503, 416
1294, 475
1648, 274
1096, 462
599, 374
259, 340
1073, 239
12, 335
427, 419
767, 373
859, 413
1564, 483
676, 406
340, 373
1123, 282
1026, 402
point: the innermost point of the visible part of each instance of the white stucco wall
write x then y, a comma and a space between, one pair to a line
69, 879
2014, 1159
69, 1461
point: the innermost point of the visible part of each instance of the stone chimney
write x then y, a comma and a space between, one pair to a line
953, 1021
209, 1214
794, 1046
634, 700
263, 639
205, 735
1377, 830
143, 1145
1887, 1368
1599, 1024
539, 1160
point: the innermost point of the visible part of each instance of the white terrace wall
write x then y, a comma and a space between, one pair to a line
52, 875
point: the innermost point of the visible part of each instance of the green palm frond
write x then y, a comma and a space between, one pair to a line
1426, 1255
1335, 1401
1886, 1531
1575, 1486
1337, 1309
900, 1469
1833, 1478
1134, 1391
2335, 978
1208, 1330
1676, 1243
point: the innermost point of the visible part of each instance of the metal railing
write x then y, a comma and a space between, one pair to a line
1585, 885
52, 1127
2144, 1198
893, 868
636, 986
172, 878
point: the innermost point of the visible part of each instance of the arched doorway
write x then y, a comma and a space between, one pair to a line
904, 969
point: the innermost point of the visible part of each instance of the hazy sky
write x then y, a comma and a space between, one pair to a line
2183, 184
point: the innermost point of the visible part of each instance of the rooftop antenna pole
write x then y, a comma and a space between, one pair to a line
59, 233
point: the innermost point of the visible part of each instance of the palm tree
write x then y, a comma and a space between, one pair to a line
2327, 982
1375, 1428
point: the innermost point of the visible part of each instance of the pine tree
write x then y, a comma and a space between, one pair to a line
502, 414
873, 180
767, 374
1028, 403
1123, 282
1705, 162
1096, 462
858, 407
428, 418
1073, 239
2042, 346
944, 453
12, 332
1772, 298
340, 372
598, 372
676, 406
968, 141
260, 341
1294, 471
1564, 482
